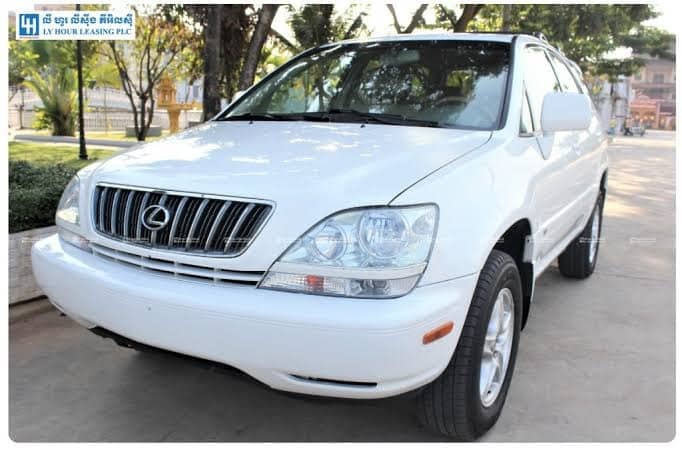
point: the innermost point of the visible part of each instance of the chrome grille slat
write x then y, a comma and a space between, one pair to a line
126, 215
135, 214
178, 214
101, 205
216, 222
114, 210
98, 198
204, 225
237, 226
197, 224
143, 205
177, 269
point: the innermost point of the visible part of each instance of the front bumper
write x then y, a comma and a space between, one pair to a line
293, 342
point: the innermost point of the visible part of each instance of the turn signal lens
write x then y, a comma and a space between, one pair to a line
339, 286
438, 333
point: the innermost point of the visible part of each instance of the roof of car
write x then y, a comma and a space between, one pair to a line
497, 37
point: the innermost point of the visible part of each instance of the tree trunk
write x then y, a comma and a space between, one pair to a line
506, 16
468, 14
234, 39
141, 130
212, 62
260, 35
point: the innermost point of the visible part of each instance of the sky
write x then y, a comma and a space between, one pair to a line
668, 20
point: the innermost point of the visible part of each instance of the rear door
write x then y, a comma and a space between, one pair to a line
585, 143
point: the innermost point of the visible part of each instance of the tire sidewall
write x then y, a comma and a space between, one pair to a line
487, 416
598, 207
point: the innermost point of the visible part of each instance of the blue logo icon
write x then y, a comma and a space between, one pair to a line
28, 25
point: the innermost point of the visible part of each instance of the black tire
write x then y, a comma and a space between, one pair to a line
451, 405
575, 261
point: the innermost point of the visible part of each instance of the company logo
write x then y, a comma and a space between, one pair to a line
155, 217
29, 25
75, 25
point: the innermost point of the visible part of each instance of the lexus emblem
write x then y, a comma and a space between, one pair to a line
155, 217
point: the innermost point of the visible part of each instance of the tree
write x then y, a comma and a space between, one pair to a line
48, 69
455, 19
21, 59
315, 25
45, 67
587, 33
224, 30
56, 89
417, 19
104, 75
141, 63
457, 24
212, 57
506, 16
260, 34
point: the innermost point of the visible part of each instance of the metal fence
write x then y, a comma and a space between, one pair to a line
99, 119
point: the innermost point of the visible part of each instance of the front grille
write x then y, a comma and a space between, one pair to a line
178, 270
194, 224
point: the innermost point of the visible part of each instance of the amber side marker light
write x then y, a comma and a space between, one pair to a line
438, 333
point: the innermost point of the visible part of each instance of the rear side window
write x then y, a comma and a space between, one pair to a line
539, 80
566, 80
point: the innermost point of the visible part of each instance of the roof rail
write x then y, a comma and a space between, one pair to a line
540, 35
537, 34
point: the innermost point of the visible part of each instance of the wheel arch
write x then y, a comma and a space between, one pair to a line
603, 182
515, 242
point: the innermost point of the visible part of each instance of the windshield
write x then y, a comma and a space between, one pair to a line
457, 84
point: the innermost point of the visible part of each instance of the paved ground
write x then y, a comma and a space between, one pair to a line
596, 361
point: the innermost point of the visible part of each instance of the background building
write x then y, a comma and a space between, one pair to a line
654, 101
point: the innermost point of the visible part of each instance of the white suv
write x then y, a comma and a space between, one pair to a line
368, 220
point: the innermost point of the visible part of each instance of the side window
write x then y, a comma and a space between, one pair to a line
566, 80
526, 127
539, 79
578, 76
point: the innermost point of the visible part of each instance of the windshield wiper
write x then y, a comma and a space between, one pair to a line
313, 117
384, 118
334, 113
254, 116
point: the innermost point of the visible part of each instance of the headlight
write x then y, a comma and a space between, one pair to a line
68, 211
68, 216
370, 253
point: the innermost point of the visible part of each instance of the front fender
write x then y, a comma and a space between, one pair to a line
479, 196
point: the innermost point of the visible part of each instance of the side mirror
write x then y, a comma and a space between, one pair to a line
236, 95
565, 111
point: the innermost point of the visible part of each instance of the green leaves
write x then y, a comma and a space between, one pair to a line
56, 88
315, 25
586, 33
34, 193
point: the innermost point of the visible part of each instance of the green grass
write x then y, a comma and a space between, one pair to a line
39, 153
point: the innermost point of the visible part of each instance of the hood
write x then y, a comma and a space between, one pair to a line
309, 170
341, 164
